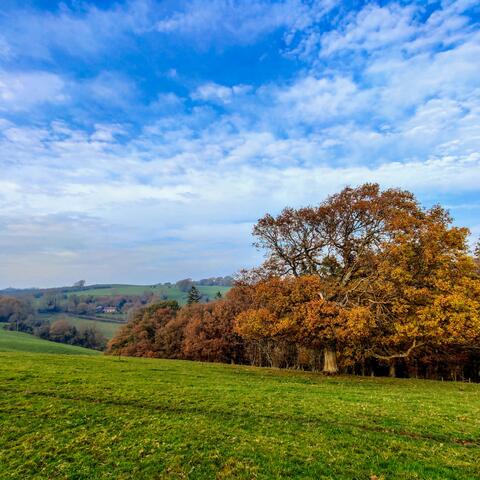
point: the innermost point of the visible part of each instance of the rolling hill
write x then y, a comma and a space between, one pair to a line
23, 342
106, 327
169, 292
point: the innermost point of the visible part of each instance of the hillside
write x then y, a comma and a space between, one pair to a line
166, 291
169, 292
123, 298
23, 342
107, 327
82, 417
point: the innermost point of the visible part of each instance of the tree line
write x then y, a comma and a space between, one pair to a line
19, 315
366, 282
90, 304
187, 283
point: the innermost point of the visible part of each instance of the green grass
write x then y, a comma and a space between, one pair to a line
23, 342
119, 290
108, 329
97, 417
173, 292
119, 317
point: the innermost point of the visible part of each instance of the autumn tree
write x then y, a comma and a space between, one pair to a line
195, 332
476, 258
18, 313
209, 333
395, 280
62, 331
340, 241
289, 316
146, 332
184, 285
427, 292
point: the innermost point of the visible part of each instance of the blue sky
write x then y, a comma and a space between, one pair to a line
140, 140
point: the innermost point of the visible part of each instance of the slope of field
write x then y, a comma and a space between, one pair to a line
100, 417
108, 329
23, 342
173, 293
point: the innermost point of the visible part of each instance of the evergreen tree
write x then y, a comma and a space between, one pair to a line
194, 296
218, 295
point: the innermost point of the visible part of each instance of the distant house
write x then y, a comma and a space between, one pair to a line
109, 309
99, 308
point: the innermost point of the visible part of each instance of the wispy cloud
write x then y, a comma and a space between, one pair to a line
144, 168
22, 90
223, 22
83, 29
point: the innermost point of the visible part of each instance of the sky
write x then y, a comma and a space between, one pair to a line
141, 140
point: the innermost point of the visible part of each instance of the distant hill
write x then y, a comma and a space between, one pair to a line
104, 307
127, 289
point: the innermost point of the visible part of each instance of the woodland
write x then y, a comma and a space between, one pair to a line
367, 282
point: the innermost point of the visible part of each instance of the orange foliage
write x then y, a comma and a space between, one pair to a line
152, 332
209, 334
368, 276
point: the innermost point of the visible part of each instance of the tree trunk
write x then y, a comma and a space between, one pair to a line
391, 370
330, 361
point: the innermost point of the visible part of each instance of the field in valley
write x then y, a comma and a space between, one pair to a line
106, 323
82, 416
171, 292
106, 327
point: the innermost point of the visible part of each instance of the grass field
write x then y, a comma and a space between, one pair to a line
97, 417
22, 342
108, 329
172, 292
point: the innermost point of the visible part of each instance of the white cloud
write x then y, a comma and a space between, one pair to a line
310, 99
446, 73
110, 87
219, 93
175, 194
223, 22
102, 175
392, 31
83, 30
22, 90
107, 133
372, 28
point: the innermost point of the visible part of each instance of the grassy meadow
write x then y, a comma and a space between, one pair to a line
108, 329
96, 417
172, 292
23, 342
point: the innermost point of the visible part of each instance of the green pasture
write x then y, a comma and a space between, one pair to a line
99, 417
23, 342
173, 293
